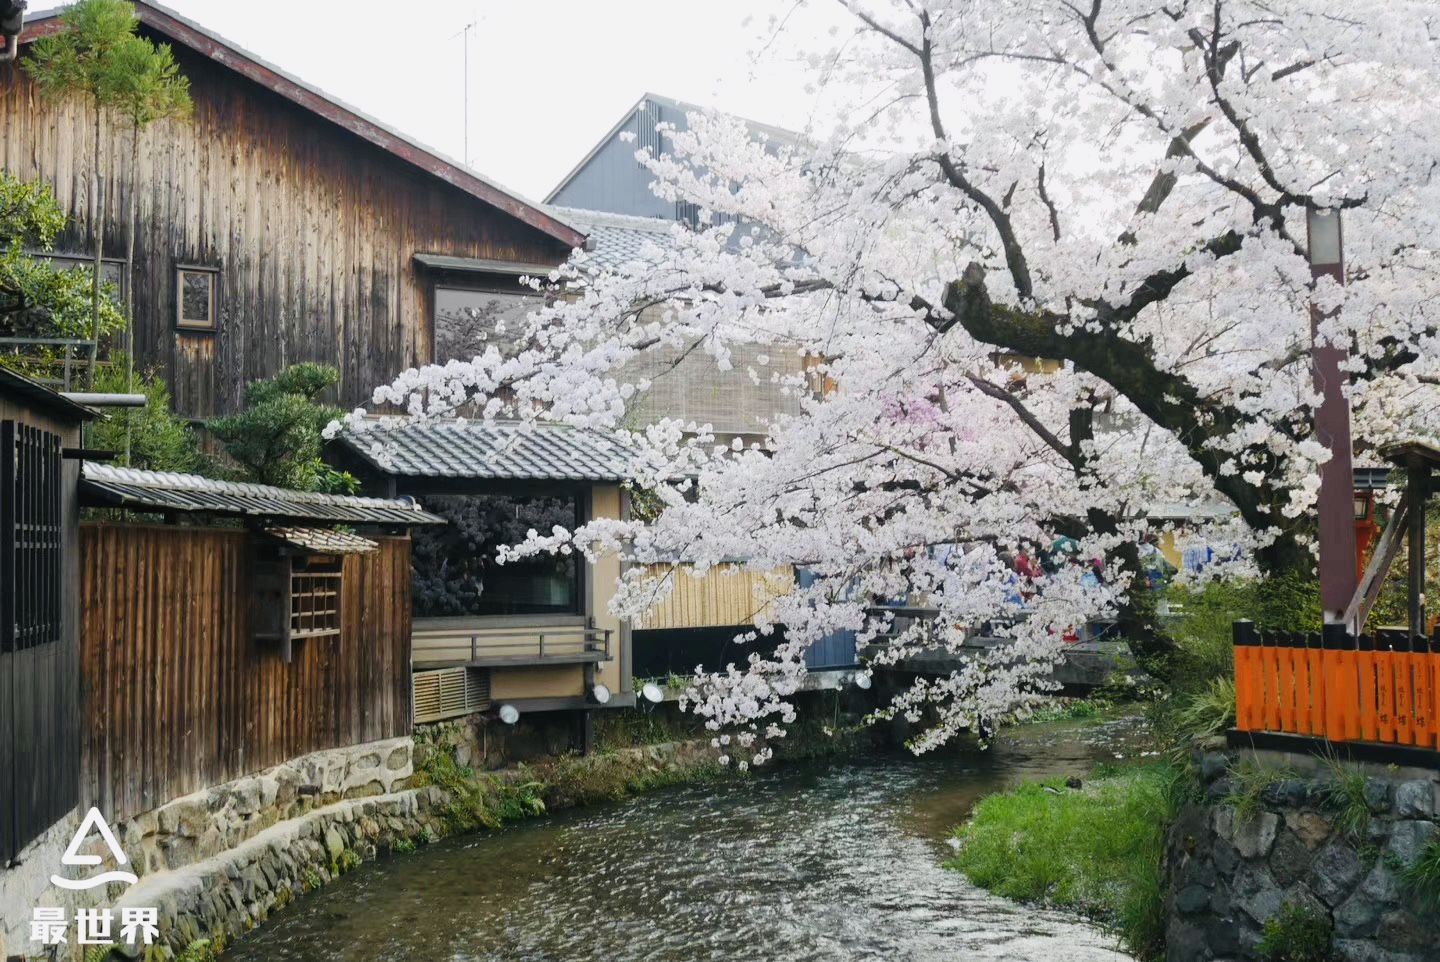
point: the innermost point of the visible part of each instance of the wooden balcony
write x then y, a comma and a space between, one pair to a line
508, 644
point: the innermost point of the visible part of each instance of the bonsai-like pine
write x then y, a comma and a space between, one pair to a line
100, 57
277, 438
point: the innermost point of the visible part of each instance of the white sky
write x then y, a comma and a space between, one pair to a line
548, 78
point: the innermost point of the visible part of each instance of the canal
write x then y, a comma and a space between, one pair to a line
828, 861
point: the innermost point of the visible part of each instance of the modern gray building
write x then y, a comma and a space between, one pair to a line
610, 179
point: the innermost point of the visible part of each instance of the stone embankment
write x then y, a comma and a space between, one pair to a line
1326, 847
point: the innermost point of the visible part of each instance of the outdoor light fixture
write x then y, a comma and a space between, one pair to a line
12, 21
1324, 229
600, 694
862, 680
1362, 507
652, 693
509, 714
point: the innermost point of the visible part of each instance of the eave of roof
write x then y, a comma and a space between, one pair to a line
222, 51
40, 396
107, 486
490, 451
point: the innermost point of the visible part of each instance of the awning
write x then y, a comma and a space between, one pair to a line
164, 492
480, 265
323, 541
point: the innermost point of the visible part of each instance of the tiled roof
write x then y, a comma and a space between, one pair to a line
103, 485
491, 450
617, 240
323, 540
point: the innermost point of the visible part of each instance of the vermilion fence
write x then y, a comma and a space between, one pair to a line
1382, 688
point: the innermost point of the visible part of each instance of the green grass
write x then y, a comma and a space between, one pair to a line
1344, 798
1097, 851
1420, 880
1298, 933
1249, 781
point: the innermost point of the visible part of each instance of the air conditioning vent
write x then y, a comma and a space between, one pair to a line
450, 693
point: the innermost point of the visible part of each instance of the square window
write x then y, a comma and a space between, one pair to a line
196, 298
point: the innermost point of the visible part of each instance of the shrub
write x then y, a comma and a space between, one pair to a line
1344, 797
1298, 933
1098, 851
1420, 880
158, 439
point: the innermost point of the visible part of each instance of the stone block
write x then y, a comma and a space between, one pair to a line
1377, 795
334, 843
1334, 871
399, 759
1408, 839
1311, 828
1192, 899
1289, 859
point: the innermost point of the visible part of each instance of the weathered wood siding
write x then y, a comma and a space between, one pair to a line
177, 694
314, 231
727, 595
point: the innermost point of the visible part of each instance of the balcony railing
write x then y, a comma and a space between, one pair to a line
1381, 689
512, 645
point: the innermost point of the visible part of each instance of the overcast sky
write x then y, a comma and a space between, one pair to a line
548, 78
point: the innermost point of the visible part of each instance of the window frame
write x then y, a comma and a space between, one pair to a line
476, 283
191, 327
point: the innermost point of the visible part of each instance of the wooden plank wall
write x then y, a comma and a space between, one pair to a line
178, 697
313, 231
725, 596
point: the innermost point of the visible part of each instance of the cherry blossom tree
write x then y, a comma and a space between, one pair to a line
1119, 187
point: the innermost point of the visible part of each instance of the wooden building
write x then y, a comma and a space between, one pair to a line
277, 225
39, 615
209, 652
536, 633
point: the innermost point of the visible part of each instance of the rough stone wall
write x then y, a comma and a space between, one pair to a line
199, 828
1234, 867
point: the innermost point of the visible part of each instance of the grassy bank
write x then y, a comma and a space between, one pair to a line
1097, 850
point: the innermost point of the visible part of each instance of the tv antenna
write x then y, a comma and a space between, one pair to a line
465, 33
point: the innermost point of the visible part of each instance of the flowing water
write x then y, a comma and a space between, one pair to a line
838, 861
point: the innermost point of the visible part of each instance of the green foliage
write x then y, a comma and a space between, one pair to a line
1420, 880
1249, 780
38, 299
1298, 933
278, 438
203, 950
403, 846
1098, 850
1344, 798
158, 439
311, 880
1209, 711
349, 859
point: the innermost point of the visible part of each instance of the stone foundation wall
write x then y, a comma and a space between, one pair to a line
1260, 843
195, 830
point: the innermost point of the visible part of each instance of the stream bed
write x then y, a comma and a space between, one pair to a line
839, 860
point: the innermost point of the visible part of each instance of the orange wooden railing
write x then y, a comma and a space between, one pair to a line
1382, 688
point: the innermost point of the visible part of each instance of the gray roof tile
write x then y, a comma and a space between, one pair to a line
491, 450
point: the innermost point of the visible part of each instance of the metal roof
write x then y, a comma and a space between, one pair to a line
317, 101
324, 541
491, 450
107, 486
18, 386
620, 240
772, 134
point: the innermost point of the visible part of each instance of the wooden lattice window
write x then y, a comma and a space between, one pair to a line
31, 537
315, 585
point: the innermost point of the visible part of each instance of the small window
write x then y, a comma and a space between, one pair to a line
197, 298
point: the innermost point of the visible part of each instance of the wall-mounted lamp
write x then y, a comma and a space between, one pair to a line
863, 681
509, 714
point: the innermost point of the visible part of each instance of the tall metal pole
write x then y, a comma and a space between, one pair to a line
1332, 428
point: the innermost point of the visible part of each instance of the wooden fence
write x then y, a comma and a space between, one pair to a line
1382, 688
178, 696
725, 596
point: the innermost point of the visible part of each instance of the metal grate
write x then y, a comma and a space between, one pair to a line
450, 693
31, 538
